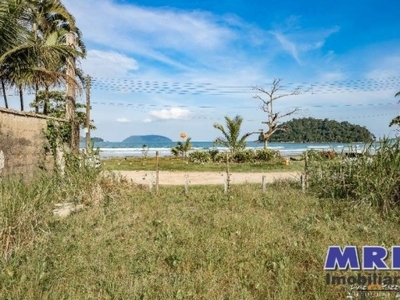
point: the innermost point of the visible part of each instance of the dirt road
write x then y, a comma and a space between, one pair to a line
178, 178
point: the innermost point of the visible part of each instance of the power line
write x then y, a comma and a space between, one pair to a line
141, 105
192, 88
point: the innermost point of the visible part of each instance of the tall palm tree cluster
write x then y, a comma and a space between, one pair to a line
39, 45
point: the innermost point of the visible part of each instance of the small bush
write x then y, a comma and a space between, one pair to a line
330, 154
264, 154
221, 157
213, 153
243, 156
199, 157
320, 155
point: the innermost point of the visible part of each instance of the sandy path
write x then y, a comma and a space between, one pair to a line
178, 178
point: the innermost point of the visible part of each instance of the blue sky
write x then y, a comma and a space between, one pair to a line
353, 47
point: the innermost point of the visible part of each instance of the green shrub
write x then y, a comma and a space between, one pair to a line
264, 154
220, 157
244, 156
320, 155
213, 153
199, 157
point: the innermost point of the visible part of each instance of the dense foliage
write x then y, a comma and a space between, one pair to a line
182, 148
310, 130
240, 156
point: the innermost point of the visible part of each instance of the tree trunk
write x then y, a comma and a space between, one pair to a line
36, 98
265, 143
70, 104
21, 97
46, 101
3, 87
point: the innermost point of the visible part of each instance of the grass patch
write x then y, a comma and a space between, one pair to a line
179, 164
131, 244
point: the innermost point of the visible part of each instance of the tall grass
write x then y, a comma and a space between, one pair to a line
133, 244
373, 177
25, 207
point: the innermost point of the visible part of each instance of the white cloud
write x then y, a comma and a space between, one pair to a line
301, 41
152, 32
123, 120
98, 63
287, 45
147, 120
175, 113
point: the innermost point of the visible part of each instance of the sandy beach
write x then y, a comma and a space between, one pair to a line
178, 178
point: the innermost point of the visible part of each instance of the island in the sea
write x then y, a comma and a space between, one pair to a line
146, 139
93, 139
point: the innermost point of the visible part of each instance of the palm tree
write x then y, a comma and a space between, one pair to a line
11, 34
3, 88
396, 120
230, 138
52, 22
182, 148
33, 50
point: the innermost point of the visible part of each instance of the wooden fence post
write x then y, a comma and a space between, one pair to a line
264, 187
303, 182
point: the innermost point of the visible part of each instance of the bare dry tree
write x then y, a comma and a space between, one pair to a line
267, 106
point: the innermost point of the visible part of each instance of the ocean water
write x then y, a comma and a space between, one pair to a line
115, 149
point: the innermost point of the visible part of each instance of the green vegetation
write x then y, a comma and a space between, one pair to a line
39, 47
396, 120
131, 244
143, 139
310, 130
182, 148
33, 48
93, 139
242, 156
177, 164
372, 178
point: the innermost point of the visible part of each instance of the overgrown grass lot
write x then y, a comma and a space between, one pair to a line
129, 243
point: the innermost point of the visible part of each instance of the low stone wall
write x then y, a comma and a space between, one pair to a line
22, 143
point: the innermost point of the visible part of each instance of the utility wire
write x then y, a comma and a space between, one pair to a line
191, 88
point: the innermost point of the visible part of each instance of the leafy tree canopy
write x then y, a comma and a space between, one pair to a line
311, 130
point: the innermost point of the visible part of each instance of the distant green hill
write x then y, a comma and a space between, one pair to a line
310, 130
143, 139
94, 139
